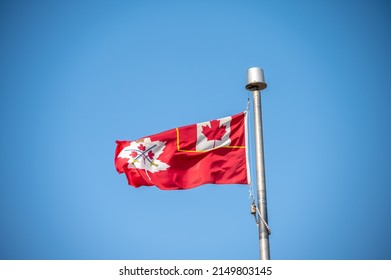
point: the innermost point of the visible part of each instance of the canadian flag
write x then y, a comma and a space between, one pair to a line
212, 152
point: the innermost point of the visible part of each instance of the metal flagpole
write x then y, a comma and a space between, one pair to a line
256, 83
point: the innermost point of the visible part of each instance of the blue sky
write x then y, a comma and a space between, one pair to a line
78, 75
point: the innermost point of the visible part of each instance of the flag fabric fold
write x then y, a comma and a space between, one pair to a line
212, 152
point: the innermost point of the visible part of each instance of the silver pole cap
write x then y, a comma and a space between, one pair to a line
255, 79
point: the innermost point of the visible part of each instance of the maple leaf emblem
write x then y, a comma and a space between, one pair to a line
214, 131
145, 155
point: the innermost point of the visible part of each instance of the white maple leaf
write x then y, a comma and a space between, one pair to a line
144, 154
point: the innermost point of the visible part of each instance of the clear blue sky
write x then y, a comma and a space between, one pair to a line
78, 75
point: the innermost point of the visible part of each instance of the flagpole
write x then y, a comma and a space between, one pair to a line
256, 83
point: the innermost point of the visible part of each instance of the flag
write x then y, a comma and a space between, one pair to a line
212, 152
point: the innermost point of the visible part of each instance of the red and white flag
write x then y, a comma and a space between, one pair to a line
212, 152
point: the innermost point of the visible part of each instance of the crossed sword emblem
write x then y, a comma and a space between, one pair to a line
143, 155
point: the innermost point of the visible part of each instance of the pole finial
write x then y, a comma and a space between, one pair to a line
255, 79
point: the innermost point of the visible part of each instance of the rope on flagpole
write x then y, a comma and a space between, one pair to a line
248, 102
269, 231
251, 188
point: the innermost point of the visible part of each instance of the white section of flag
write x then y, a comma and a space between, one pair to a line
203, 144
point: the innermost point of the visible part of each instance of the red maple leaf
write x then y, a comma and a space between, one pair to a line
151, 154
214, 131
141, 147
134, 154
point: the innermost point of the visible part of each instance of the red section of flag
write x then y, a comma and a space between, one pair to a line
170, 161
